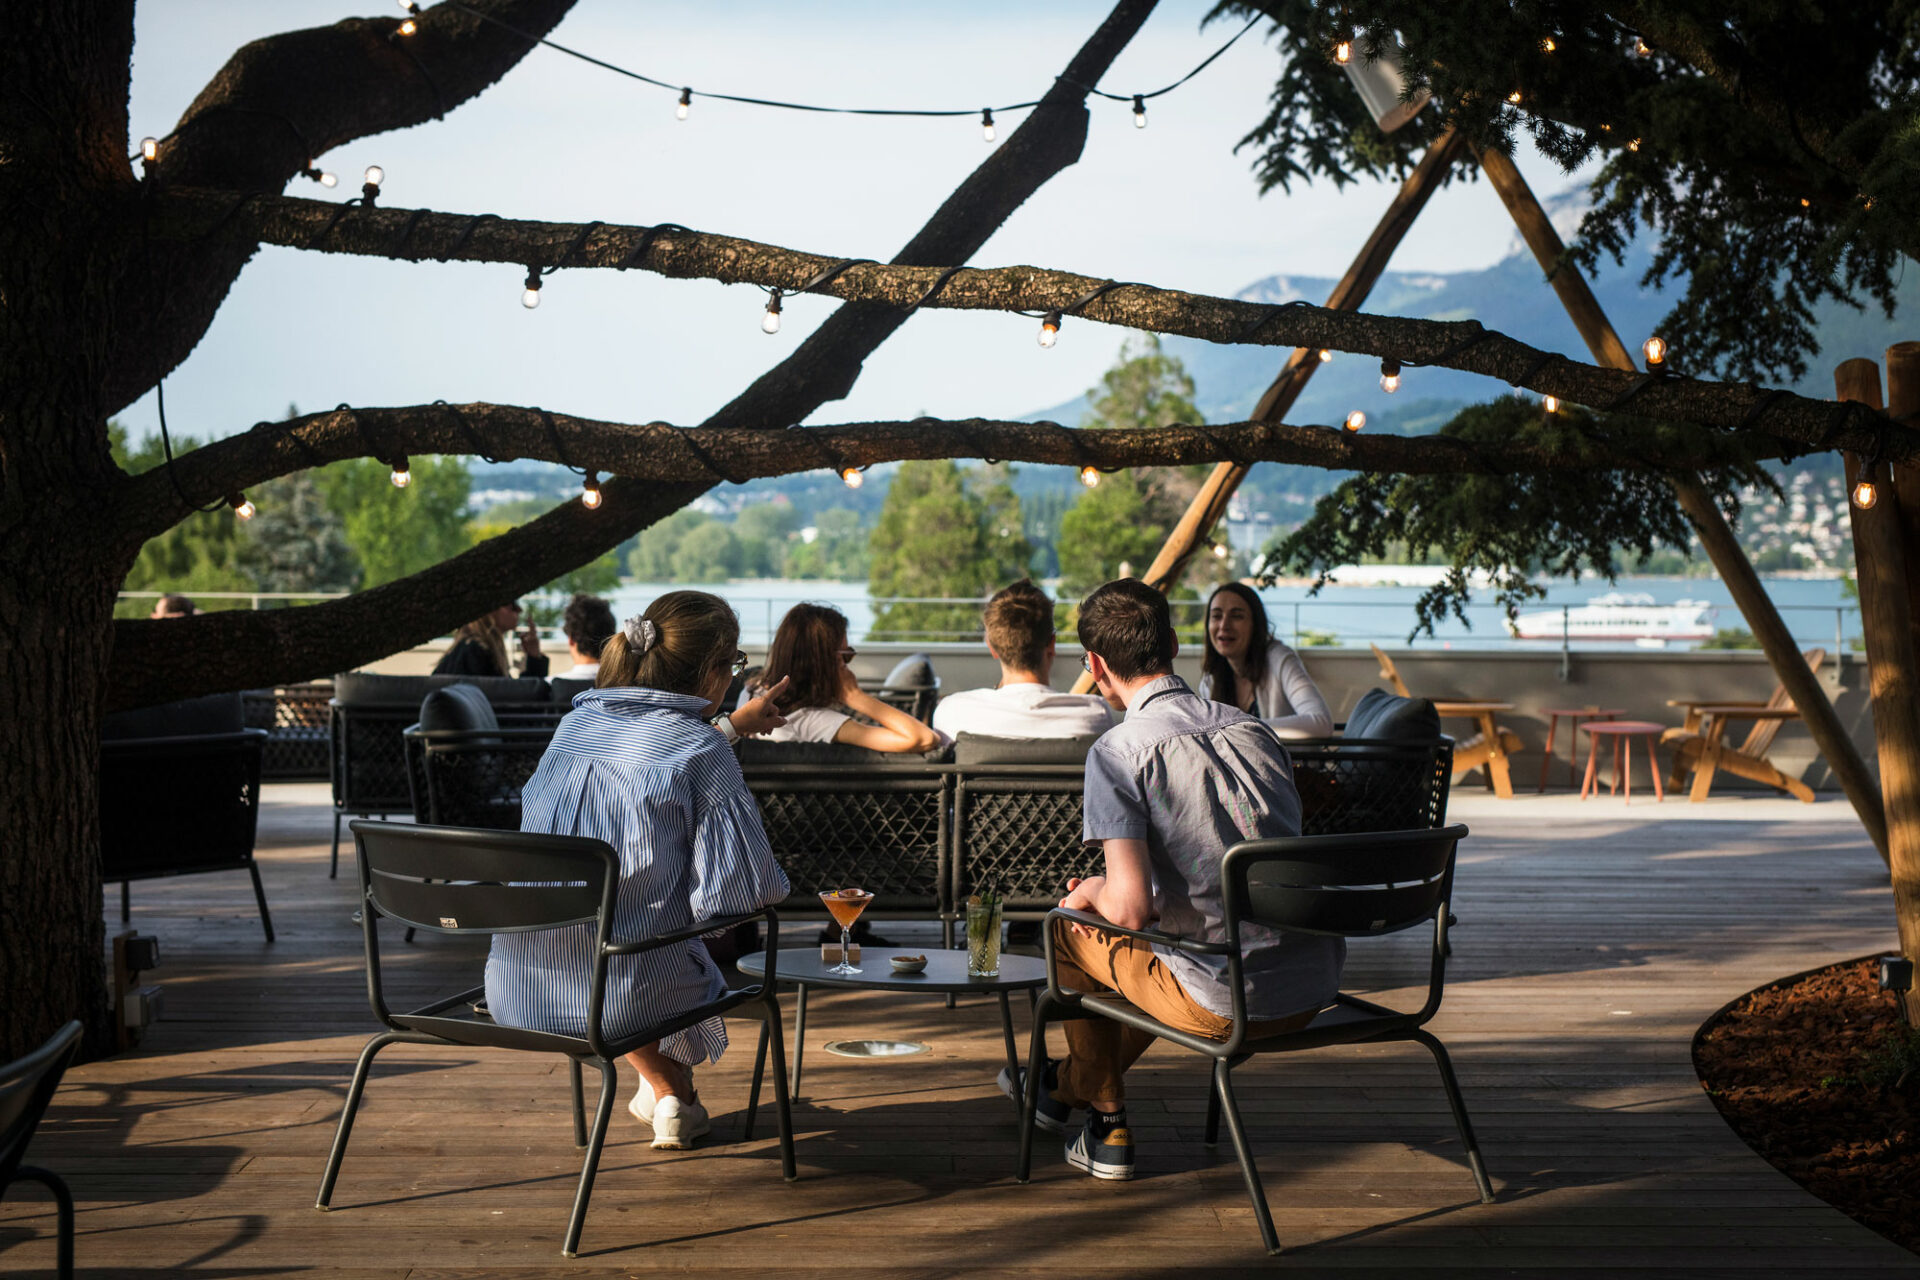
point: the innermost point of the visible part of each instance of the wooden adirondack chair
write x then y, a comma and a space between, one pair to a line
1700, 748
1490, 747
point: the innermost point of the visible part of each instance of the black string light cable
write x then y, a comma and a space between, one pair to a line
1051, 319
770, 323
400, 468
684, 95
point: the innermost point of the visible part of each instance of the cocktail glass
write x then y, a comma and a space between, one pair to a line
845, 906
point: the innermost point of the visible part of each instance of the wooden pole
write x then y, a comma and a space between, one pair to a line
1716, 536
1210, 504
1903, 402
1881, 557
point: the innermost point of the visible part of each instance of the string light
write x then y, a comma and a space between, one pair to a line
530, 296
1049, 334
402, 473
1634, 145
1514, 97
1139, 110
590, 491
370, 188
1805, 203
986, 123
1089, 476
1343, 52
1221, 550
852, 477
1655, 349
1355, 421
1552, 403
1325, 355
1547, 45
1642, 48
1864, 494
770, 322
242, 508
1389, 376
314, 174
149, 149
684, 107
408, 27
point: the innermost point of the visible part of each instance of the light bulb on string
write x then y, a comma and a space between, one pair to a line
149, 149
770, 322
1089, 476
1552, 404
1343, 52
1221, 550
1050, 330
1389, 376
1655, 349
1634, 145
1642, 48
313, 173
402, 473
1355, 421
1864, 495
370, 186
986, 123
408, 27
590, 491
1514, 97
684, 107
1325, 355
530, 296
1547, 45
1139, 111
242, 508
851, 477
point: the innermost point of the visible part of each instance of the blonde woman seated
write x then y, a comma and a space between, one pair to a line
811, 654
637, 763
1244, 666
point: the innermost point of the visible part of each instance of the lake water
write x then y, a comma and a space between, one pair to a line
1815, 609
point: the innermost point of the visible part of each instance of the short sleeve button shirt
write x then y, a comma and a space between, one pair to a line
1192, 778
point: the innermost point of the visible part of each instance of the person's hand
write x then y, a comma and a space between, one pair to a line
761, 713
1080, 897
530, 641
849, 682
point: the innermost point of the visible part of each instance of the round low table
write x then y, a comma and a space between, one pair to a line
946, 973
1623, 732
1573, 716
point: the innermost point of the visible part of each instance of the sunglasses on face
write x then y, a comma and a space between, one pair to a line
740, 661
1086, 663
848, 655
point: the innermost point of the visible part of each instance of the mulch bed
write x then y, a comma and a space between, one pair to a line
1802, 1073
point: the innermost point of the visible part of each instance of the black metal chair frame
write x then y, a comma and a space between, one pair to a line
296, 720
192, 850
1350, 886
1050, 855
458, 881
27, 1087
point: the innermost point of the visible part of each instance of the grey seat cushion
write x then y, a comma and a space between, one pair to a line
564, 690
190, 717
367, 688
982, 748
914, 671
755, 751
1380, 714
457, 706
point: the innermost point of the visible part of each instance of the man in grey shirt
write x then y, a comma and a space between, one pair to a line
1168, 791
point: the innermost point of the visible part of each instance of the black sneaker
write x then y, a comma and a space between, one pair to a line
1104, 1147
1049, 1112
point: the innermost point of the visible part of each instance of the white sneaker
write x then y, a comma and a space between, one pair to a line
641, 1108
676, 1124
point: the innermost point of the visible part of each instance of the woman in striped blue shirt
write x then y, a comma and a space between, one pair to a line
637, 763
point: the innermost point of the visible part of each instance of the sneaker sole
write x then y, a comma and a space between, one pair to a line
1106, 1173
1059, 1128
683, 1143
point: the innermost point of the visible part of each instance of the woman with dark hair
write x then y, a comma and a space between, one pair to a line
1246, 667
480, 647
811, 653
637, 763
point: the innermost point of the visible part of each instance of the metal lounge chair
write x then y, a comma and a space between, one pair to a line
26, 1088
1352, 886
1700, 747
453, 880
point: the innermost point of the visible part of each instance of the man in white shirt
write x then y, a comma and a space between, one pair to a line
1019, 624
587, 622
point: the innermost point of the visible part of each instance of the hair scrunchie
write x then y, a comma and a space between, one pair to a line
640, 633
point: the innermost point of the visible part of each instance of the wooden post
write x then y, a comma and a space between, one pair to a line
1716, 536
1210, 504
1880, 554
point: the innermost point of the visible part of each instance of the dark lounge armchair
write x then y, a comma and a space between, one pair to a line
26, 1088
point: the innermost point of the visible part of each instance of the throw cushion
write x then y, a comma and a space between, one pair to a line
912, 672
982, 748
457, 706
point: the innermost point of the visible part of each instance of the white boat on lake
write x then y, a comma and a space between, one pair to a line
1620, 615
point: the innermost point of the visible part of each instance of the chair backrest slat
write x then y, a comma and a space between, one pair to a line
27, 1086
1353, 885
1760, 737
484, 881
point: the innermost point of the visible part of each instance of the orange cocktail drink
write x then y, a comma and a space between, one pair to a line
845, 906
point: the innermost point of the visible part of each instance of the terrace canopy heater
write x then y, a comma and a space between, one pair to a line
1378, 79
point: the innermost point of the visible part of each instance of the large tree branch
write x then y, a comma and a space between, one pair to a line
659, 453
276, 105
1463, 345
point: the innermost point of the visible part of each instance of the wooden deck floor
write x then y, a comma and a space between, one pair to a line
1594, 940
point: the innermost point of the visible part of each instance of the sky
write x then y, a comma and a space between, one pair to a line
1171, 204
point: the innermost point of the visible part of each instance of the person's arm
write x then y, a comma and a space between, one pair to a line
466, 658
1309, 716
760, 713
1124, 895
536, 661
733, 868
896, 730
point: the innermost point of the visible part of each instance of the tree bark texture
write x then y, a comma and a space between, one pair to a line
681, 254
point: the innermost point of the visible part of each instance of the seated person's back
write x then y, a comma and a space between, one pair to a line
810, 652
1019, 628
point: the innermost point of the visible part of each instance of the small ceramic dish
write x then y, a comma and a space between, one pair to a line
907, 964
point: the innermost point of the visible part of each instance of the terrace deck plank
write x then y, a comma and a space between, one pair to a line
1592, 944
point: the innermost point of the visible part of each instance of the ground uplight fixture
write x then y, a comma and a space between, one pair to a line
1896, 973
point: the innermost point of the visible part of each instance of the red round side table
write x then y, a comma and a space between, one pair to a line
1573, 716
1623, 732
